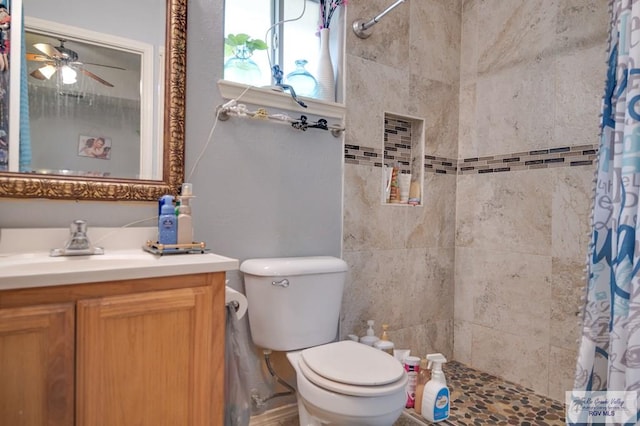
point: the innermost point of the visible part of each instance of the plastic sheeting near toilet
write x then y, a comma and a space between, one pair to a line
237, 410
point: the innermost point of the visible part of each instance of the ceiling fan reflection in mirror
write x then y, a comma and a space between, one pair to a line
66, 61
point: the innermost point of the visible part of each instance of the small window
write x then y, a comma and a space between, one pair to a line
294, 45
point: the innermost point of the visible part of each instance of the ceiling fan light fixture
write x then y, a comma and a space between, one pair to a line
47, 71
69, 75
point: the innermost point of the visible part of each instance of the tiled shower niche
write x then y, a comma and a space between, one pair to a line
403, 150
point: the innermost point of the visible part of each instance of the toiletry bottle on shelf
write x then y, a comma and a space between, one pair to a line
185, 221
394, 191
167, 222
412, 367
435, 399
414, 191
370, 339
388, 171
423, 378
384, 344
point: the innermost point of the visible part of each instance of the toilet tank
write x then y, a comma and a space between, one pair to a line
294, 302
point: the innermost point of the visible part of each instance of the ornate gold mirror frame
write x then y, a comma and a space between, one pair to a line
25, 185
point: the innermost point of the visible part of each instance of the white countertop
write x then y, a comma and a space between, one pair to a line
25, 260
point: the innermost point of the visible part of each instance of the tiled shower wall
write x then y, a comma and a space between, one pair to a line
532, 78
510, 93
401, 259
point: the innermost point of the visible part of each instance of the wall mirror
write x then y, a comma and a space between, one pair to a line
105, 102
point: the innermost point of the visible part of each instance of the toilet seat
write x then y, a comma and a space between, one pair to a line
352, 368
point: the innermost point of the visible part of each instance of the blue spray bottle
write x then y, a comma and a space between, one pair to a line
435, 399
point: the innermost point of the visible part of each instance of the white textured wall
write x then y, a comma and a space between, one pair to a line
262, 189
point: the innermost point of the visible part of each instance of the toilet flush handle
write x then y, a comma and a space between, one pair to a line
283, 283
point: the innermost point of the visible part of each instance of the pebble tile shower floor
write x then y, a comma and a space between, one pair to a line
479, 398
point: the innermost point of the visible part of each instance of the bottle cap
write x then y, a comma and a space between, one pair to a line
187, 190
370, 331
166, 204
384, 336
412, 360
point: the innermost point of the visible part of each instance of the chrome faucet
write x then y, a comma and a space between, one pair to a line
277, 76
78, 243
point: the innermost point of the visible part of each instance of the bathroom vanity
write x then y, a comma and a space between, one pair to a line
88, 342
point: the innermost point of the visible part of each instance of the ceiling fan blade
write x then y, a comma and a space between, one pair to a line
38, 58
37, 74
95, 77
105, 66
48, 50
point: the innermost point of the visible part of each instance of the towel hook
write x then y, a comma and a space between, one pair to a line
301, 124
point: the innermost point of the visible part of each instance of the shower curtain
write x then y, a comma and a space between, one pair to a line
25, 128
609, 355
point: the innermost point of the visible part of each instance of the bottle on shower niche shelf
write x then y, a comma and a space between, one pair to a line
394, 191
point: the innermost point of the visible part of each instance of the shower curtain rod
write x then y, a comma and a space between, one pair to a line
361, 27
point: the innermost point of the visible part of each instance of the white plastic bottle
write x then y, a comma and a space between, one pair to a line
435, 399
370, 339
185, 221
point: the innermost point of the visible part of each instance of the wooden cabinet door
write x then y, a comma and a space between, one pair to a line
37, 365
145, 359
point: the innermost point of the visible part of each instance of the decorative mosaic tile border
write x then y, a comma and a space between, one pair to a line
566, 156
397, 143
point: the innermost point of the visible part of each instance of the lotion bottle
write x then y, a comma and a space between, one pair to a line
435, 399
185, 221
167, 222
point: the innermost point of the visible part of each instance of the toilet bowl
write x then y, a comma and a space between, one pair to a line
294, 306
347, 383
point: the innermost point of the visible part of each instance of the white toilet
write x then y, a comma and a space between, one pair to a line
294, 306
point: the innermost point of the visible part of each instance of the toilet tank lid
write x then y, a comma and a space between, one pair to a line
280, 266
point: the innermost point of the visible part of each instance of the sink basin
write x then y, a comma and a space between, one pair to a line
38, 269
26, 263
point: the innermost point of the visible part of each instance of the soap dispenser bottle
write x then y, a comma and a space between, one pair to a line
167, 222
370, 339
384, 344
435, 398
185, 221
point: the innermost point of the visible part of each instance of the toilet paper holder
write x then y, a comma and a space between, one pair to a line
237, 300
